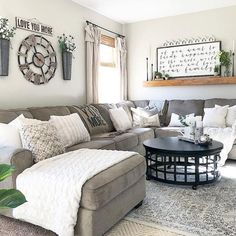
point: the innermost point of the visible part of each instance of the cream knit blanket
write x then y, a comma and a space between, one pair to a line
53, 187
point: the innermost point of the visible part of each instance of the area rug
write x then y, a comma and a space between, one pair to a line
208, 211
134, 228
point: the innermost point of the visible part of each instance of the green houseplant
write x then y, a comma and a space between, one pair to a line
6, 33
67, 46
9, 198
225, 61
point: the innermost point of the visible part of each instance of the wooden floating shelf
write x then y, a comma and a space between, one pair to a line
190, 81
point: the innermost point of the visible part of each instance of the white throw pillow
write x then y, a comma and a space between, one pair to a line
9, 136
215, 117
120, 119
71, 129
175, 120
231, 115
150, 121
21, 120
144, 118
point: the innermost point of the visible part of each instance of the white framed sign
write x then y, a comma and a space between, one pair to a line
34, 26
188, 60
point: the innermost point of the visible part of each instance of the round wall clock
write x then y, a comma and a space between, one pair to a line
37, 59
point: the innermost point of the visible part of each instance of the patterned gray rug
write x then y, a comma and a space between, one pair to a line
209, 210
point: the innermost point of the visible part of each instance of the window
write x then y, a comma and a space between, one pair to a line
108, 79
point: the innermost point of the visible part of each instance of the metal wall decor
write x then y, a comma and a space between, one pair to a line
189, 60
37, 59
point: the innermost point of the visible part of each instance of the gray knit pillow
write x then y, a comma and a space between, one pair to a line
42, 140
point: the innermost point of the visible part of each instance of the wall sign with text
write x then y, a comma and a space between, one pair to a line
188, 60
33, 25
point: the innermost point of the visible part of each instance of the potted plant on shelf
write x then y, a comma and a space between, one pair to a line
158, 75
67, 47
9, 198
6, 33
225, 61
217, 70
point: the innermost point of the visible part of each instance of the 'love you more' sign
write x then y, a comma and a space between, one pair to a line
33, 25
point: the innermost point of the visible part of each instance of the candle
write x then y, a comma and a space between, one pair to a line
233, 45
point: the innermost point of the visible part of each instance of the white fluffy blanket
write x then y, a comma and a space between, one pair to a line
224, 135
53, 187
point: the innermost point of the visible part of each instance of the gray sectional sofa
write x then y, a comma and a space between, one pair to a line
108, 196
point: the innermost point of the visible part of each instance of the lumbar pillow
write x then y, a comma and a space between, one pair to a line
92, 119
42, 140
150, 121
180, 121
215, 117
231, 115
120, 119
145, 118
70, 129
9, 136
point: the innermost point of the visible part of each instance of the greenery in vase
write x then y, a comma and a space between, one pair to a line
158, 74
217, 69
9, 198
225, 59
6, 32
66, 43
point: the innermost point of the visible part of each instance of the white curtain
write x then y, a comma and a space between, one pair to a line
122, 66
92, 39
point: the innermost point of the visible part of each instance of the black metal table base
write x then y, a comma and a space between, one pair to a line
182, 170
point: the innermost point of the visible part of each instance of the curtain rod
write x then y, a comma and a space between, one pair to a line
120, 35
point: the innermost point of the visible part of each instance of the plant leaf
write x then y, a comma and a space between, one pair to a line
11, 198
5, 171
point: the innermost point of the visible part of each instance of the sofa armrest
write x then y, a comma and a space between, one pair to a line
21, 159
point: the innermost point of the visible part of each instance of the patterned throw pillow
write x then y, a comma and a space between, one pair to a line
93, 119
42, 140
71, 129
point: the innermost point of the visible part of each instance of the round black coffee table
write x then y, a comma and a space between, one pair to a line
174, 161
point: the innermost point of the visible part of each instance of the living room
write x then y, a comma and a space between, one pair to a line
117, 117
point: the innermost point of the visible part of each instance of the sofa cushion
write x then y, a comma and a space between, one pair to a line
94, 144
184, 107
168, 131
143, 134
104, 111
123, 141
44, 113
141, 103
108, 184
6, 116
209, 103
91, 117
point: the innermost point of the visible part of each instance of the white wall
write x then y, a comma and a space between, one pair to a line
66, 17
146, 35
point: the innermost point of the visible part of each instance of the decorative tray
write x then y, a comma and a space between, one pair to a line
182, 138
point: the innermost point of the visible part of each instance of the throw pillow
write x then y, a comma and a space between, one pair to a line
150, 121
175, 120
9, 136
120, 119
145, 118
215, 117
231, 115
92, 118
70, 129
20, 120
42, 140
